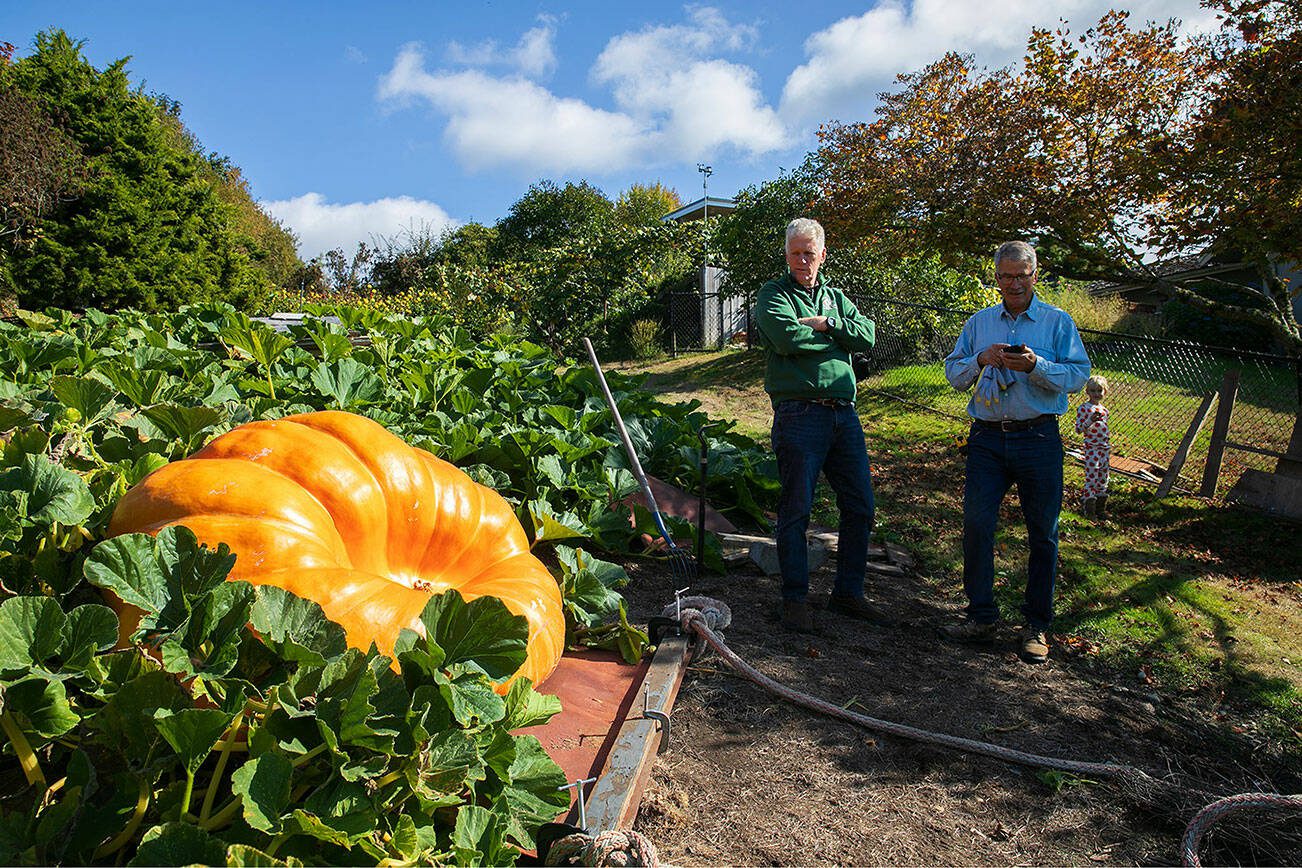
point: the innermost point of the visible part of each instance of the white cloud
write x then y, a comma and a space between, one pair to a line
854, 59
353, 54
322, 225
671, 77
495, 121
675, 99
534, 55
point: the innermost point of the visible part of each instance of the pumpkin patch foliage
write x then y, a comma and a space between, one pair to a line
234, 723
206, 741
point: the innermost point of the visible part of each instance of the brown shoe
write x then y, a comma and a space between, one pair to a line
1035, 645
796, 617
970, 632
858, 607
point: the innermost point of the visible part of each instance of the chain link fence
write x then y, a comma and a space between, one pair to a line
1157, 387
697, 322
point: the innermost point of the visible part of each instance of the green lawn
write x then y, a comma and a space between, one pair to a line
1200, 597
1148, 417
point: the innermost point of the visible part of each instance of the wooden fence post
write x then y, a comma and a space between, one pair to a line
1182, 453
1220, 431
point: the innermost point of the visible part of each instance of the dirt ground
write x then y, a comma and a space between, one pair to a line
752, 780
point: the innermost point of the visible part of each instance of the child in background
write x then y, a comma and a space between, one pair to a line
1092, 421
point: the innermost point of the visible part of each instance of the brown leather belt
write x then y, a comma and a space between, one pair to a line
1016, 424
828, 402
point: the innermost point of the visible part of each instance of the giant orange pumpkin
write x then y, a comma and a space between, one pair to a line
334, 508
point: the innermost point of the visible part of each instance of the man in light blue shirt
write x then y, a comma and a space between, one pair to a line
1023, 356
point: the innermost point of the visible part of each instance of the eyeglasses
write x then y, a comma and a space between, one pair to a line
1011, 278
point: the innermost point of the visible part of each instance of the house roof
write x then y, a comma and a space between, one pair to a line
1189, 267
718, 206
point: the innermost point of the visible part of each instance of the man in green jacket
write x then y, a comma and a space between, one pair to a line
808, 330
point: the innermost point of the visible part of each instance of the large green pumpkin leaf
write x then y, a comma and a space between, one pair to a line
31, 631
534, 796
263, 785
527, 707
158, 574
260, 342
91, 629
121, 724
39, 707
13, 417
348, 382
54, 493
244, 856
192, 732
479, 837
179, 422
482, 631
179, 844
472, 700
550, 526
294, 627
90, 397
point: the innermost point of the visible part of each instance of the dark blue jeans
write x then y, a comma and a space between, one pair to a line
808, 439
996, 460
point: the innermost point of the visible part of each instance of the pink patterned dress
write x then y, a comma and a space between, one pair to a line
1092, 421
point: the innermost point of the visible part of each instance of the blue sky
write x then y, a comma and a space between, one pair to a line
356, 120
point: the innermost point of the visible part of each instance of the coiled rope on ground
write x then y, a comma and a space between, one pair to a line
610, 848
704, 616
1218, 809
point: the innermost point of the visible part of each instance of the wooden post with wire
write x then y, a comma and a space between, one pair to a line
1220, 432
1182, 453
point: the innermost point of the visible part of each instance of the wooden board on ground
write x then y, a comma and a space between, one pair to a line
1134, 468
762, 550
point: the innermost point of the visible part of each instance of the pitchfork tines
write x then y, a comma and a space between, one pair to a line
681, 563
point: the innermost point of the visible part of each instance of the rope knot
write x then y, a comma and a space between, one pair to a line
609, 848
714, 613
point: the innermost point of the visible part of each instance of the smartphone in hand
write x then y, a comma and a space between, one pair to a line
1015, 349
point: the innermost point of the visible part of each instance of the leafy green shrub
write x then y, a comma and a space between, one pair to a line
1104, 314
646, 339
156, 223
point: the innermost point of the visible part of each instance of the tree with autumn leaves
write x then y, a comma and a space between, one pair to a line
1105, 147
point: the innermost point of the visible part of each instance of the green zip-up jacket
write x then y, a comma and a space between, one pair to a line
803, 363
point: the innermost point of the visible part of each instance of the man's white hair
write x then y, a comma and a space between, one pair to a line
1015, 251
806, 227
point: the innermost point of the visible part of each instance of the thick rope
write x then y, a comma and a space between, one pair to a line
1209, 815
614, 848
695, 619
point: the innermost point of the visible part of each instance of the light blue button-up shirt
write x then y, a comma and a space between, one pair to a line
1061, 367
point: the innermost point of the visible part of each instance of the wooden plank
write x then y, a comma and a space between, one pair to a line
613, 800
1220, 431
1182, 453
1270, 453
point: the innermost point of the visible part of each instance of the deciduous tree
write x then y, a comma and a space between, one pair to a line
1066, 149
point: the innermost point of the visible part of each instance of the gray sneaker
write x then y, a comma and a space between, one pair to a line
796, 617
1035, 645
970, 632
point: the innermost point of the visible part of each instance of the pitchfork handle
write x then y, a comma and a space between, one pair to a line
628, 445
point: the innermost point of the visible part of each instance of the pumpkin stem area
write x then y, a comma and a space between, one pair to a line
420, 583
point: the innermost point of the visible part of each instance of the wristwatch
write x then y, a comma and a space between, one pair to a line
831, 323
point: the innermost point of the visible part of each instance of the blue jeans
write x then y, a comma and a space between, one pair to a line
995, 461
810, 438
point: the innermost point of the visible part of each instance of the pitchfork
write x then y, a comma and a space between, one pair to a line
681, 564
